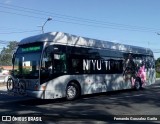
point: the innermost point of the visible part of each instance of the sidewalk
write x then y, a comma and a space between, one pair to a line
3, 87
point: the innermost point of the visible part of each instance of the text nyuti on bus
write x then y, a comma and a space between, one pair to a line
56, 65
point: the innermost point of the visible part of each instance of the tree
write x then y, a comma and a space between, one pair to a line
157, 64
7, 52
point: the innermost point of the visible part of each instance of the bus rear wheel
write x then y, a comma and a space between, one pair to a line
137, 84
72, 91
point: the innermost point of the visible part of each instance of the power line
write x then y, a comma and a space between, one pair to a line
85, 24
103, 26
72, 19
19, 32
22, 15
2, 29
4, 42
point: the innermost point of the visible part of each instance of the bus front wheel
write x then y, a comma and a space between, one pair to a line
72, 91
10, 84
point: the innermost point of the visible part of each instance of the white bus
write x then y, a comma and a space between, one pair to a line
55, 65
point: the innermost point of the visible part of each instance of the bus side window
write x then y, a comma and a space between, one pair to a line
47, 61
60, 63
75, 65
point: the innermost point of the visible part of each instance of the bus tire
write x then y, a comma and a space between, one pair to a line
10, 84
72, 91
137, 85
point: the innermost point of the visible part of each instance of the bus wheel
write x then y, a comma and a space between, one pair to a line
72, 91
137, 85
10, 84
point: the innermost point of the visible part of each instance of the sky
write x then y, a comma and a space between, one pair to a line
133, 22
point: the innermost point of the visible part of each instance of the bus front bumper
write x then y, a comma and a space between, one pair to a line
37, 94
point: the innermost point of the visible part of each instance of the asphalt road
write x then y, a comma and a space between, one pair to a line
100, 108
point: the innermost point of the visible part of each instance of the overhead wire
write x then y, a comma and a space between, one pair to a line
22, 14
4, 30
24, 9
88, 24
19, 32
75, 20
61, 18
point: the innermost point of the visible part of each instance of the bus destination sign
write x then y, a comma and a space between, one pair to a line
31, 49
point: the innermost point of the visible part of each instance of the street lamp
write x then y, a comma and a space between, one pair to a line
49, 19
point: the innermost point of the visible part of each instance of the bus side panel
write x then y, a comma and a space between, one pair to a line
92, 83
56, 88
104, 83
151, 76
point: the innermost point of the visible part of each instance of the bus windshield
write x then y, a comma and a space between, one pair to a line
26, 62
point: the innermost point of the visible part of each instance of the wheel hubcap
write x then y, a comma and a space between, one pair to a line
71, 92
10, 84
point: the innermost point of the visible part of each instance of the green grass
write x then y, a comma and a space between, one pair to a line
157, 74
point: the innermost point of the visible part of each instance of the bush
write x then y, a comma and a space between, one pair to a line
157, 74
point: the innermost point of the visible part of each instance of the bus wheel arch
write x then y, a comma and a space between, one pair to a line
138, 84
73, 90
